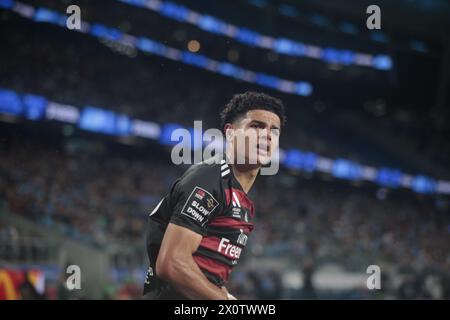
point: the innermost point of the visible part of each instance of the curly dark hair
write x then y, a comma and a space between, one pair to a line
243, 102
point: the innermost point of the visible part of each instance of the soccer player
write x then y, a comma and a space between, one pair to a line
197, 232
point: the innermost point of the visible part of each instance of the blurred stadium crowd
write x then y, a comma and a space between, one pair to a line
300, 219
99, 191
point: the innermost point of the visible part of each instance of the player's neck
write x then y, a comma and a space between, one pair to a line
245, 175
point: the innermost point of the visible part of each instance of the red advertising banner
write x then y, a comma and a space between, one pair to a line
11, 282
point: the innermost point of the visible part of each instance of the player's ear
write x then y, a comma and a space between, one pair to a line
229, 131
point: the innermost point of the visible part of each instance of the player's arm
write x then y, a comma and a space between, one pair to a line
176, 265
229, 295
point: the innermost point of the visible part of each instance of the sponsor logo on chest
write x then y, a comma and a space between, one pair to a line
231, 250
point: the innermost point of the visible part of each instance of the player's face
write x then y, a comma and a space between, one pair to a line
256, 136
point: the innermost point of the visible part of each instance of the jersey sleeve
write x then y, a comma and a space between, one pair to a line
196, 199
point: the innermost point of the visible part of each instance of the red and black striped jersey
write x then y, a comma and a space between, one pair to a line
206, 199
